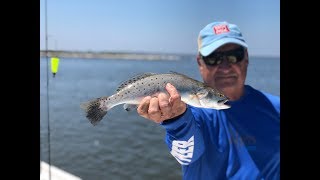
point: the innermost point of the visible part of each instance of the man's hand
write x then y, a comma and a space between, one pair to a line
163, 106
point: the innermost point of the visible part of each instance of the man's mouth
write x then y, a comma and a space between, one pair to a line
225, 77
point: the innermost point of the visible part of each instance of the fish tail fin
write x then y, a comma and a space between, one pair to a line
95, 109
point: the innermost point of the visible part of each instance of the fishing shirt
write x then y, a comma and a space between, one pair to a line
242, 142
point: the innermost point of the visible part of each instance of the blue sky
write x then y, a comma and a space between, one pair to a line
165, 26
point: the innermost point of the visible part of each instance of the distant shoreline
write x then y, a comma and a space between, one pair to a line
124, 55
110, 55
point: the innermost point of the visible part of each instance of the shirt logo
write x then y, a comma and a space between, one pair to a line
183, 150
221, 29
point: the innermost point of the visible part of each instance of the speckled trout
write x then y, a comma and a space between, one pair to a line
133, 90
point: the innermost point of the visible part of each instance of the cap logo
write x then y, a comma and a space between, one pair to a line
221, 29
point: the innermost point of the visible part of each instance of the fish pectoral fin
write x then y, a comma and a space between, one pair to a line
191, 99
192, 96
129, 107
201, 94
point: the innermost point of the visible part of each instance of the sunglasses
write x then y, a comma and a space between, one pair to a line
233, 56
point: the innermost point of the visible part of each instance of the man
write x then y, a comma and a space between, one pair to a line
242, 142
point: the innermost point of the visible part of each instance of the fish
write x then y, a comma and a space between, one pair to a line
133, 90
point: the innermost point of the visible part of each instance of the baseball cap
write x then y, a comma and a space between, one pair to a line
216, 34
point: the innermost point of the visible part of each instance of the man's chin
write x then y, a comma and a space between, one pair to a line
226, 84
226, 89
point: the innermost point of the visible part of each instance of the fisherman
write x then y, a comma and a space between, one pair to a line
242, 142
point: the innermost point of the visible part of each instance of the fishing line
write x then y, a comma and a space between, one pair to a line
48, 113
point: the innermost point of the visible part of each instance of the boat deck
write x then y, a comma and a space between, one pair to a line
56, 173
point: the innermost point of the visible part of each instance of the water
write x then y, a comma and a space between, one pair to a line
123, 145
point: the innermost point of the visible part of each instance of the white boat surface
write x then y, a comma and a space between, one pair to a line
56, 173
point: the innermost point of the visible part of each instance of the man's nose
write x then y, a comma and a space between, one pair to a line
225, 64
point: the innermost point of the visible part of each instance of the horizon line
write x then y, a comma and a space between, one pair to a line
140, 52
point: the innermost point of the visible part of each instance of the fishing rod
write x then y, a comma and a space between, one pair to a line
47, 67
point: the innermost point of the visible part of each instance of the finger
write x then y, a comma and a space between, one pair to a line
177, 106
164, 106
174, 94
143, 107
154, 110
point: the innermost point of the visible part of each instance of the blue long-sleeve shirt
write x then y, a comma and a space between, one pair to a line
242, 142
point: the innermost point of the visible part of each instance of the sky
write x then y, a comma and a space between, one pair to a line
155, 26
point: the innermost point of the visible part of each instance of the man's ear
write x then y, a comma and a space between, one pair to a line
247, 56
199, 59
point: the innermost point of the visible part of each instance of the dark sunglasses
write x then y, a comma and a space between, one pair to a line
216, 58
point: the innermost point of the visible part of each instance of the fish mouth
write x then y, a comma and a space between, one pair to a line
222, 105
222, 101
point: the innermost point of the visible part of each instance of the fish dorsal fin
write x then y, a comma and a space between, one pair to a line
185, 76
173, 72
133, 79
